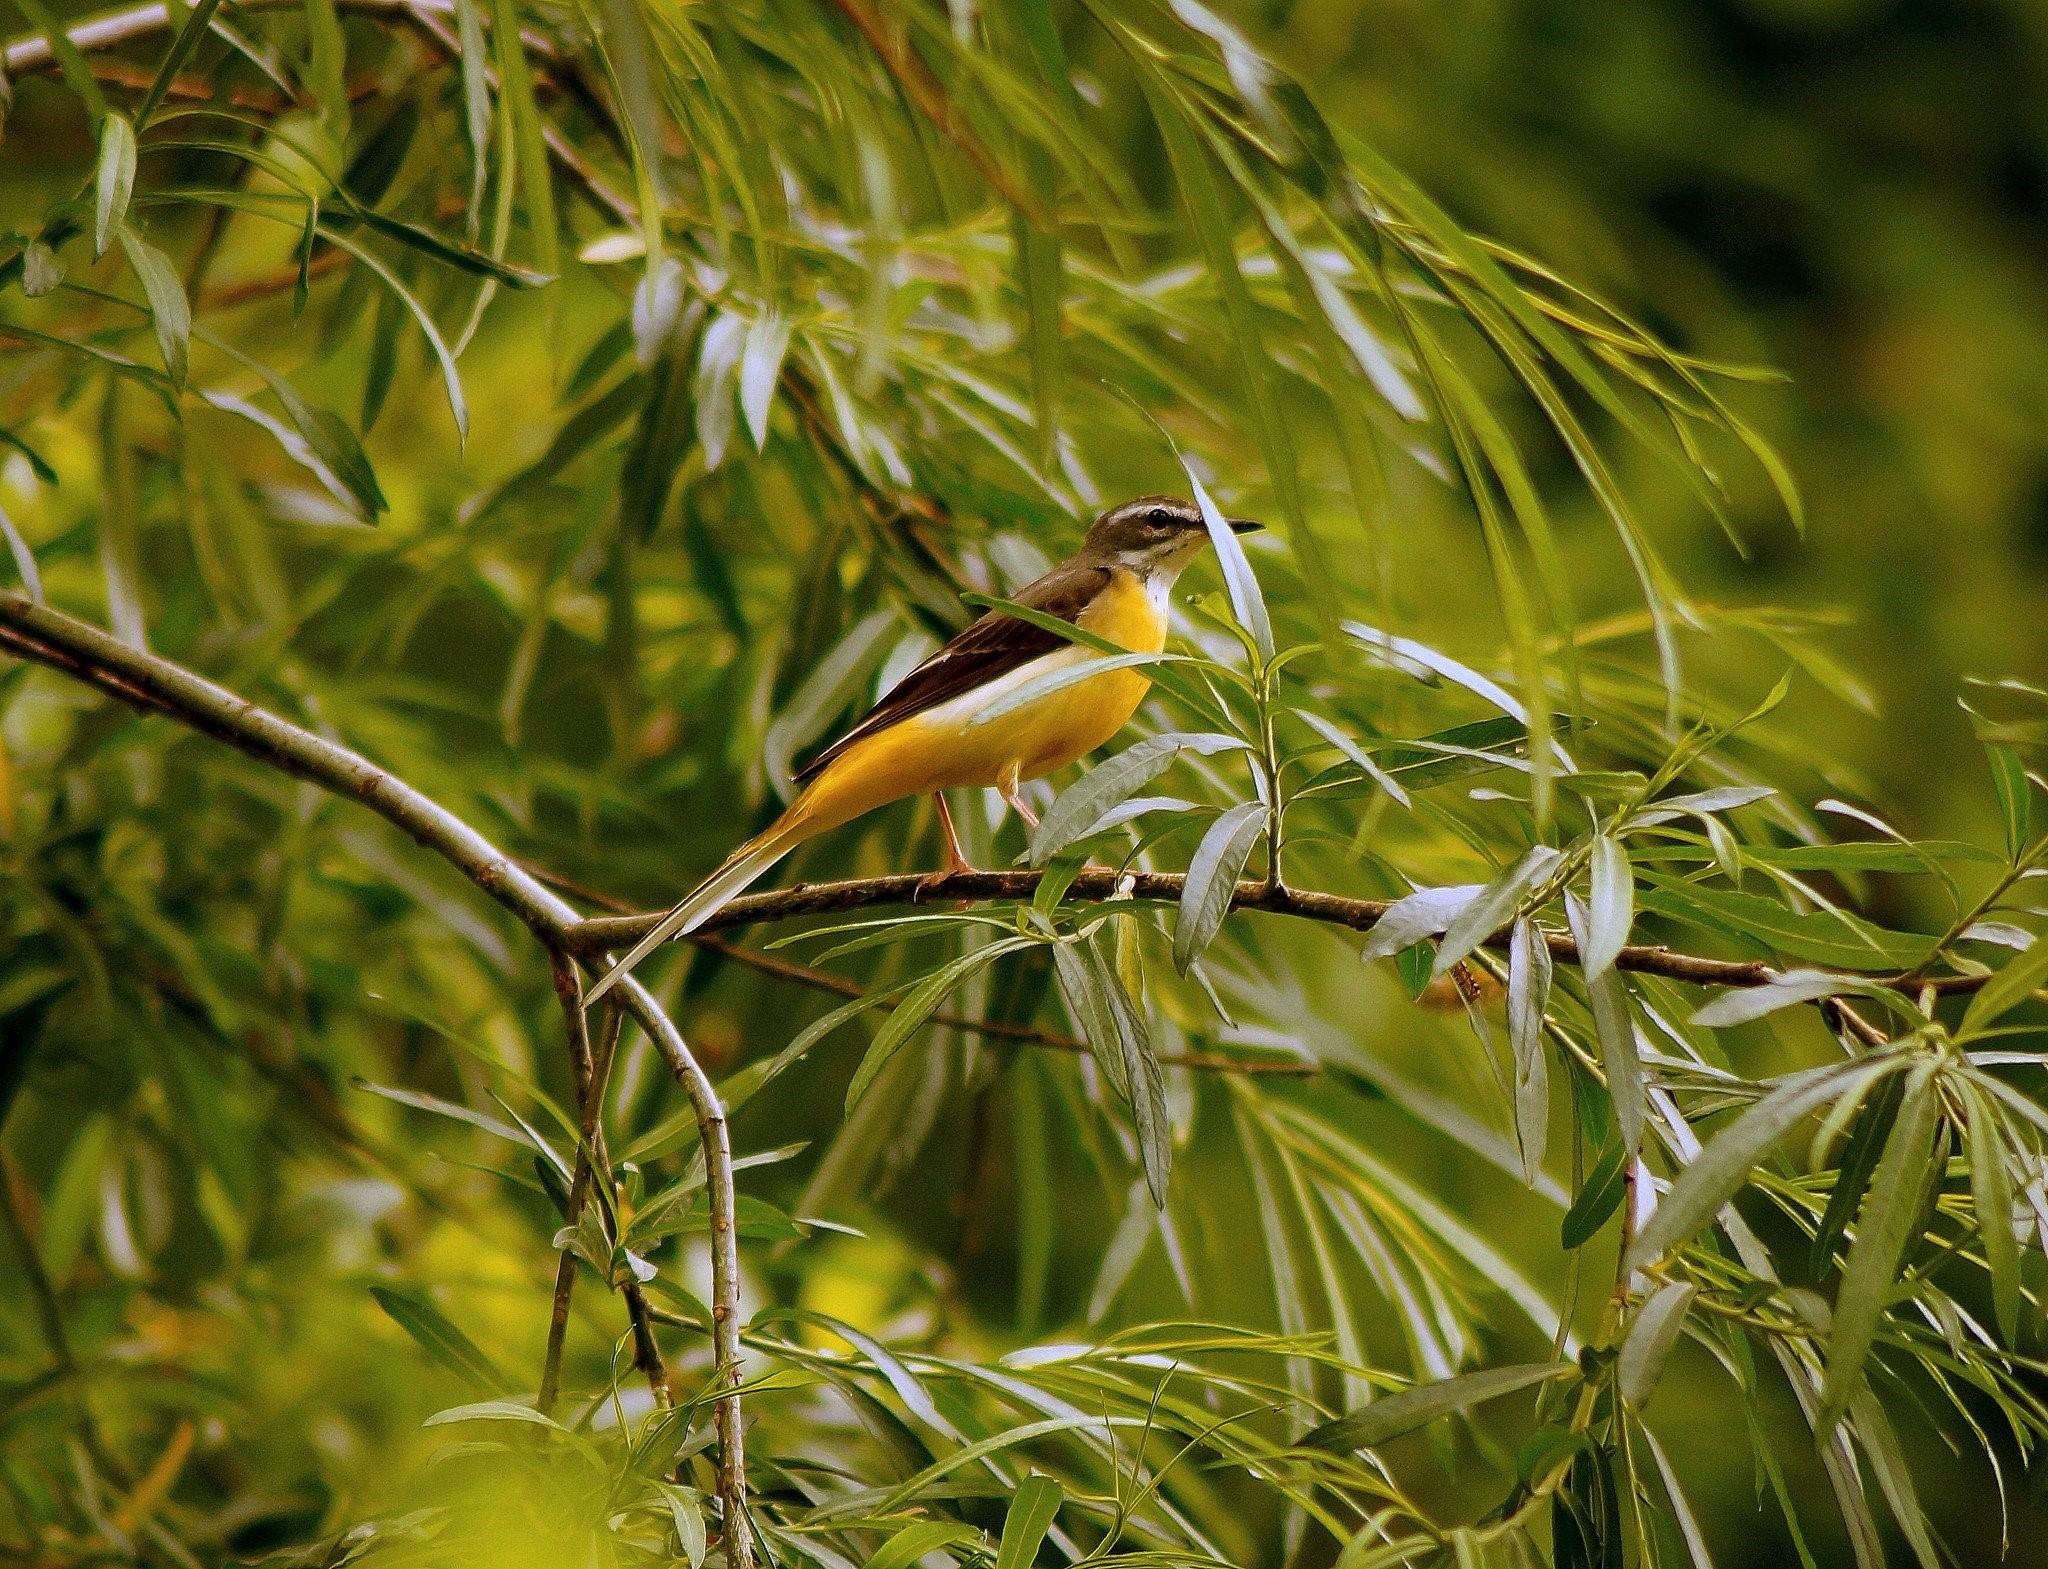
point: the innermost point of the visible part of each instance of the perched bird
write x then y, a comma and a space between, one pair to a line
922, 737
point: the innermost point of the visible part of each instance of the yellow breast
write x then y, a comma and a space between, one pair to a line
1128, 613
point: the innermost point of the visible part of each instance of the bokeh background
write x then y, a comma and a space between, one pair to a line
1850, 191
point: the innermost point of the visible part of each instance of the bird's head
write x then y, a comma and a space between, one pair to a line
1154, 534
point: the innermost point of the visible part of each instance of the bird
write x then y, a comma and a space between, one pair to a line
922, 737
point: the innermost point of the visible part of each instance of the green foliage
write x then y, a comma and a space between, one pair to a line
769, 337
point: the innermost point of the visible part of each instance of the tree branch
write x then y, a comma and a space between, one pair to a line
1099, 886
157, 685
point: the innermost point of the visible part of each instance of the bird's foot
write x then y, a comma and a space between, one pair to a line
934, 882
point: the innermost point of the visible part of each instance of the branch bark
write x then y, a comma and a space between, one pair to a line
1098, 886
156, 685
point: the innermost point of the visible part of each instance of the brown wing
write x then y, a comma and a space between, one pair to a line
991, 647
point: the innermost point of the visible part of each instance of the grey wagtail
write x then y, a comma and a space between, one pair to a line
922, 737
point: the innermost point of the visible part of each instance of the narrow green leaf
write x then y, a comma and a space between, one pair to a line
1817, 936
1529, 971
424, 240
515, 82
1247, 603
381, 363
1213, 872
493, 1411
918, 1006
24, 558
329, 446
113, 179
1598, 1198
1041, 284
1647, 1346
1132, 1042
1615, 1027
1059, 679
1420, 914
1991, 1195
1494, 906
1859, 1159
1199, 190
326, 60
2015, 801
2006, 990
1586, 1526
440, 1338
1714, 1175
686, 1514
169, 311
1082, 805
1355, 754
476, 106
1884, 1224
1406, 654
1610, 906
420, 1100
919, 1538
1742, 1005
1089, 1006
190, 32
1894, 1478
760, 370
451, 379
1406, 1410
1032, 1510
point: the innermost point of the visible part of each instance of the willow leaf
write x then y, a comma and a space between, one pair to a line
1212, 877
1712, 1177
1529, 971
1406, 1410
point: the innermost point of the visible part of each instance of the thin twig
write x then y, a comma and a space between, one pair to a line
157, 685
592, 1066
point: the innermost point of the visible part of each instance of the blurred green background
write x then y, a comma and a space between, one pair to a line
1853, 192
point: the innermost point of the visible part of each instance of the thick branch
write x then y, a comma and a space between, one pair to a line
157, 685
1096, 886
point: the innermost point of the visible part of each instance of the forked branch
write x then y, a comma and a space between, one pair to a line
156, 685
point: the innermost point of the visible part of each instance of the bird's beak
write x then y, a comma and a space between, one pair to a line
1243, 525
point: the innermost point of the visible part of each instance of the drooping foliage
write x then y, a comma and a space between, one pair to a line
582, 411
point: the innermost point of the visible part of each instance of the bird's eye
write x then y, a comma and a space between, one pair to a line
1163, 519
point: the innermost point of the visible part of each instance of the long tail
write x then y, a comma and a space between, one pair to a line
739, 872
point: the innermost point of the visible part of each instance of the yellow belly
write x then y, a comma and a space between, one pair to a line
942, 749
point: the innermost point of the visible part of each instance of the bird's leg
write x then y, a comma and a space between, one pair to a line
956, 858
1008, 788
